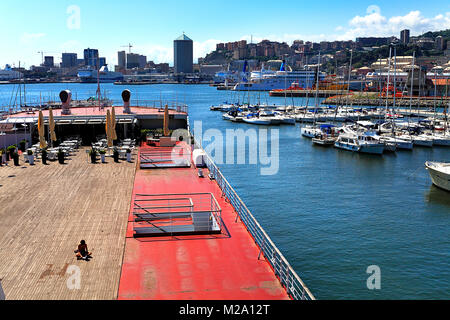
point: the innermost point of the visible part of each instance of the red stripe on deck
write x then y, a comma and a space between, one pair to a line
211, 267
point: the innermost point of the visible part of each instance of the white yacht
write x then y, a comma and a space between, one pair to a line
400, 143
262, 118
422, 140
441, 139
347, 142
311, 131
439, 173
369, 144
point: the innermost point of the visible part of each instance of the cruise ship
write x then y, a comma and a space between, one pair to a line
267, 80
89, 75
9, 74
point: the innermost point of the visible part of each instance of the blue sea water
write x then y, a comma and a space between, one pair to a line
332, 213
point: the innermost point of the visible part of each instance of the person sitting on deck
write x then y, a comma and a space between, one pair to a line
83, 252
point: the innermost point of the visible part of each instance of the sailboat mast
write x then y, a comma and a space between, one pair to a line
388, 83
317, 89
412, 84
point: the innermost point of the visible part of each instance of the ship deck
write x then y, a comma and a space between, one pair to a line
95, 111
221, 266
44, 213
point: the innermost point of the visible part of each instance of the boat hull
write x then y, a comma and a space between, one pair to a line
260, 122
346, 146
372, 149
442, 141
440, 179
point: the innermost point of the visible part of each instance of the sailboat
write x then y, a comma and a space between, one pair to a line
312, 131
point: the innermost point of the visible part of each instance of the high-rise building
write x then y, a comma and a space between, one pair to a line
404, 36
136, 61
440, 43
69, 60
183, 54
91, 57
122, 59
49, 62
102, 61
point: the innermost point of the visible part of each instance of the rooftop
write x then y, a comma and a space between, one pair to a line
183, 37
95, 111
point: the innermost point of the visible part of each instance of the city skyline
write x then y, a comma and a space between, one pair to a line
58, 27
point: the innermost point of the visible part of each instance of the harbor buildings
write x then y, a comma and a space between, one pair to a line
122, 59
91, 57
69, 60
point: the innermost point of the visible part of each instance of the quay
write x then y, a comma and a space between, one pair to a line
158, 228
373, 99
306, 93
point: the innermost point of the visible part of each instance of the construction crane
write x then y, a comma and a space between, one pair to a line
43, 52
129, 46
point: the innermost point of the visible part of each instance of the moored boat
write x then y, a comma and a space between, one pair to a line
439, 173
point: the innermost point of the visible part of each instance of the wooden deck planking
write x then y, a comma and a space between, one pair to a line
46, 210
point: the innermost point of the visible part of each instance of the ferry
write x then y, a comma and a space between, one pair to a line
9, 74
90, 75
267, 80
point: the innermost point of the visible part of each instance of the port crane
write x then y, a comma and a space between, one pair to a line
129, 46
44, 52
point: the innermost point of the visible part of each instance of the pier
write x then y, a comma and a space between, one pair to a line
306, 93
373, 99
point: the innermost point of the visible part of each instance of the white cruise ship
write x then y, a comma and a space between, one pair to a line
267, 80
9, 74
89, 75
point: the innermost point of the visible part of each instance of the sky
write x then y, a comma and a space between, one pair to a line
53, 27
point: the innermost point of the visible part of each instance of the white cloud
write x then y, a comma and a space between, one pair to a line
375, 24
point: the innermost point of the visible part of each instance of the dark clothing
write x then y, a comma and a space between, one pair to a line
83, 250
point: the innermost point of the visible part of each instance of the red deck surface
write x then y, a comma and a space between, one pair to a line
95, 111
211, 267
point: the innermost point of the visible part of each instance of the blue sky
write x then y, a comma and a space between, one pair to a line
55, 26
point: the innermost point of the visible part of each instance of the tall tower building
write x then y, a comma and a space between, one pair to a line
404, 36
91, 57
183, 55
69, 60
122, 60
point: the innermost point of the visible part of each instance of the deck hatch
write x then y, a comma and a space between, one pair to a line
176, 214
165, 157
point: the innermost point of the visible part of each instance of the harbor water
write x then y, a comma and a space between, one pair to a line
332, 213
